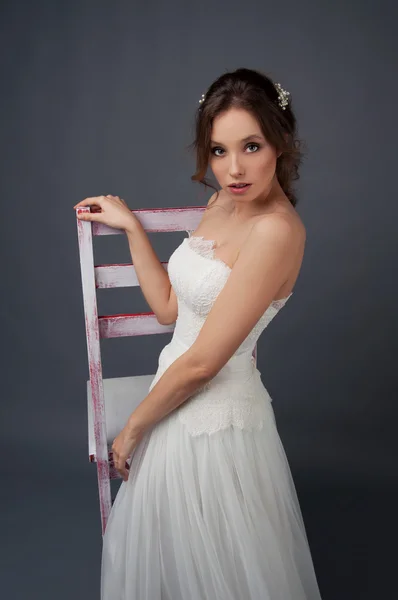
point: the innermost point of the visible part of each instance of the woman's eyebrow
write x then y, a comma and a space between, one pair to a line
246, 139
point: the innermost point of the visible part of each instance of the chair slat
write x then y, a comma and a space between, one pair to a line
158, 220
116, 326
115, 276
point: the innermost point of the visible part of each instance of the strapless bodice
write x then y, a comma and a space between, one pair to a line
236, 395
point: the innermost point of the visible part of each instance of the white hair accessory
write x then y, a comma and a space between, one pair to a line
283, 100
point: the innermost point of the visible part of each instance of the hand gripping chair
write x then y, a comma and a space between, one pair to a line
111, 401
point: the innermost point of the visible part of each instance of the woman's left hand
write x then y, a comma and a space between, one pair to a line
122, 447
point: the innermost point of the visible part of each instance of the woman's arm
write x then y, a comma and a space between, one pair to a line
177, 383
180, 380
153, 279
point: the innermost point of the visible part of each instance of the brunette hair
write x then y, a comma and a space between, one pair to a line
256, 93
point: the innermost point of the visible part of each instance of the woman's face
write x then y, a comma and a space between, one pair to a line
240, 154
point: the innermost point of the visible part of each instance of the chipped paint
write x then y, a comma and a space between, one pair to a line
114, 276
158, 220
95, 365
116, 326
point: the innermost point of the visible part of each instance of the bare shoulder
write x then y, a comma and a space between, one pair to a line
281, 226
278, 238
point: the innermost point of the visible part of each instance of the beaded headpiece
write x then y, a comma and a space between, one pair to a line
283, 99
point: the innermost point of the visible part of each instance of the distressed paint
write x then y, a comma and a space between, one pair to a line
158, 220
114, 276
94, 362
113, 472
115, 326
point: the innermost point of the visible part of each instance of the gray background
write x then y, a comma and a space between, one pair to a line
98, 98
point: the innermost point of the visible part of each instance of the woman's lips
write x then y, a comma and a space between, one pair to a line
239, 190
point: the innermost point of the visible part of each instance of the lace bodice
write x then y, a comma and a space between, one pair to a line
235, 396
197, 277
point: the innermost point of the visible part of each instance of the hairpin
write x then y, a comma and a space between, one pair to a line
283, 100
202, 99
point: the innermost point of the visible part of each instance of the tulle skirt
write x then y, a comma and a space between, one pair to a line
208, 517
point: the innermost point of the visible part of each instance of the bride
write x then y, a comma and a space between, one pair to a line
207, 509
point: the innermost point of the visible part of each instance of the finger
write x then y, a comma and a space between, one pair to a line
124, 472
88, 216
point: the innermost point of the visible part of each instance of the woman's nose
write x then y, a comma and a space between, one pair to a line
235, 167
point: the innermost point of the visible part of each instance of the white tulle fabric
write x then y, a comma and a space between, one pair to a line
210, 510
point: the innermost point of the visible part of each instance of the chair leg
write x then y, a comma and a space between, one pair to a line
104, 488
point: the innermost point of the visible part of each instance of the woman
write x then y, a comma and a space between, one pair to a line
207, 509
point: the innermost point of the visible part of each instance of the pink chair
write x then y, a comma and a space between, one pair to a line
111, 401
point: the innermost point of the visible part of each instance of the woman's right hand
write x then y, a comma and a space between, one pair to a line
110, 210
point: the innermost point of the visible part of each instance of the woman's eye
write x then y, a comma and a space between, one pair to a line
215, 150
256, 146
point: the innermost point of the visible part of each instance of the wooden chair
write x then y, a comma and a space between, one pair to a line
111, 401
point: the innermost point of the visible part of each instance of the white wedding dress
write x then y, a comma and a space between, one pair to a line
209, 511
